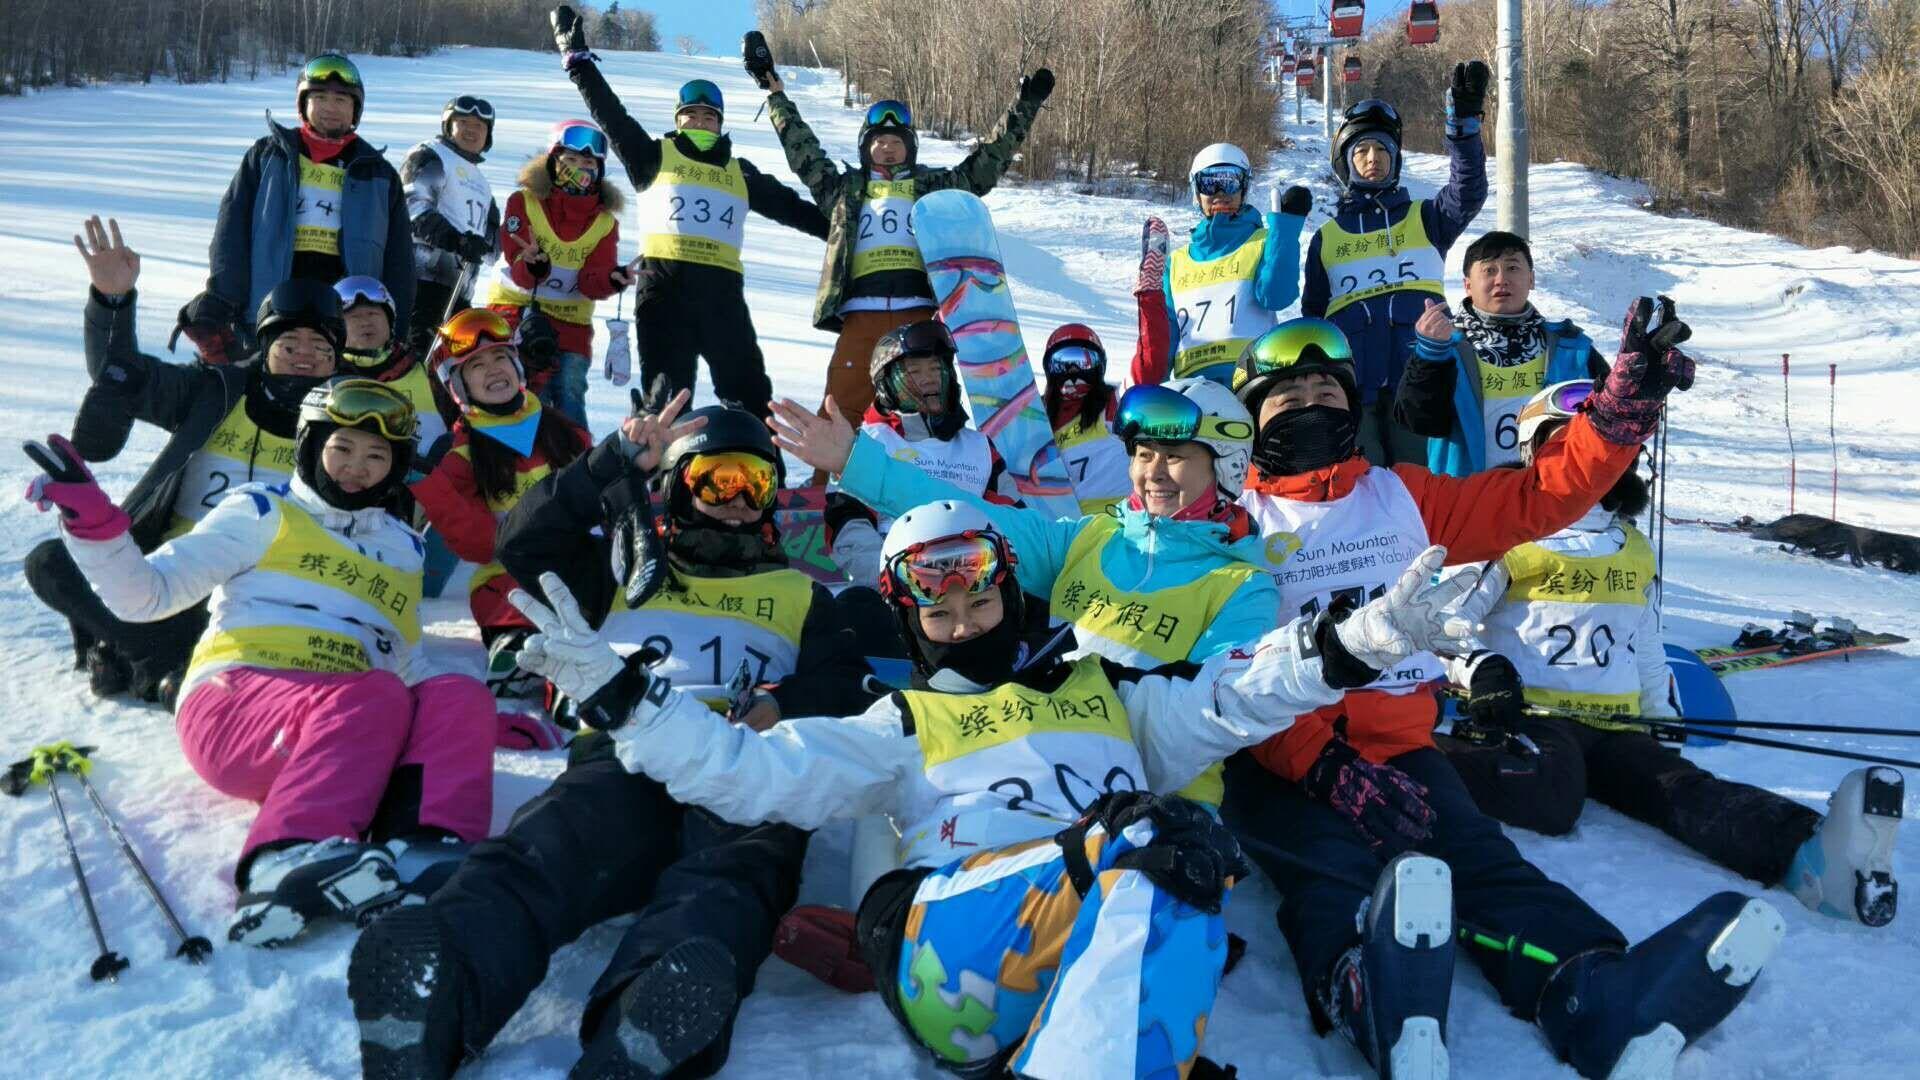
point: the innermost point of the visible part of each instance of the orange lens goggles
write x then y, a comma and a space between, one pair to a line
721, 478
474, 328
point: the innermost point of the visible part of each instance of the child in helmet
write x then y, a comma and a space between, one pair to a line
1059, 911
372, 350
1081, 407
1372, 267
1224, 286
455, 217
1571, 625
558, 249
310, 687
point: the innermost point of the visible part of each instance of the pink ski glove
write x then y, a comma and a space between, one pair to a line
1626, 408
88, 513
1154, 243
527, 731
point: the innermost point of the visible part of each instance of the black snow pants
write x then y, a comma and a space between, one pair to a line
1746, 829
150, 650
679, 318
1494, 888
603, 842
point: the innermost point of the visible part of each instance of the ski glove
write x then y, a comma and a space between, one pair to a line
1467, 93
1191, 856
1037, 86
1494, 691
69, 484
758, 58
568, 652
1414, 616
475, 247
1626, 409
1296, 201
569, 31
1154, 243
1386, 806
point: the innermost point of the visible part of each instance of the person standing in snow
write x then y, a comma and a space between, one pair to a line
1571, 625
1471, 373
1081, 406
873, 279
721, 612
310, 692
1221, 288
227, 425
694, 194
315, 203
1371, 268
455, 218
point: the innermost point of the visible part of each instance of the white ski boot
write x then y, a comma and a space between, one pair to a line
1845, 869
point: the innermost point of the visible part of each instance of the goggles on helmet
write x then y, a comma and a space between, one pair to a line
925, 573
330, 67
353, 402
1157, 414
473, 329
1220, 180
468, 105
1074, 359
584, 138
362, 289
720, 478
1285, 346
702, 93
889, 114
1373, 109
1561, 401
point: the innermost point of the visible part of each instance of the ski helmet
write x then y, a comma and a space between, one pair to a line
887, 118
581, 137
1081, 335
330, 71
365, 289
699, 93
727, 429
1295, 347
1191, 410
934, 548
366, 405
462, 338
1219, 154
928, 337
1370, 119
468, 105
1558, 403
298, 302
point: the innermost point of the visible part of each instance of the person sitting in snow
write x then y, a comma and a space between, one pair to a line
310, 691
1572, 627
1370, 269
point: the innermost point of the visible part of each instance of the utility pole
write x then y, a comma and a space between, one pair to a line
1510, 148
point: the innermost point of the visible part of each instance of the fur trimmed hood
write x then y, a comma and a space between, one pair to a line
533, 177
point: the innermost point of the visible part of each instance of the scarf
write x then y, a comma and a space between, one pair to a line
322, 149
512, 426
1502, 340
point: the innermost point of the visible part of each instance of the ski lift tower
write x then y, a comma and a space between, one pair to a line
1303, 34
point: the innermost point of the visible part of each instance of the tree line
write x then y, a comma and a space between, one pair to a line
1796, 117
63, 43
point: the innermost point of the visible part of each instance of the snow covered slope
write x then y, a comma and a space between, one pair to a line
158, 158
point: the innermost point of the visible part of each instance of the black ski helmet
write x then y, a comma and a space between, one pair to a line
928, 337
299, 302
888, 118
727, 429
333, 71
1370, 118
320, 416
467, 105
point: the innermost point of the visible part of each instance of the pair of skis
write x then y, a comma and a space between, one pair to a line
1803, 638
45, 765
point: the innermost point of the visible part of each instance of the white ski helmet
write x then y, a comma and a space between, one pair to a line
940, 520
1225, 429
1219, 153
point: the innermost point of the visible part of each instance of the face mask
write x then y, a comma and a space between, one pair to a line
987, 660
715, 548
574, 180
701, 140
1302, 440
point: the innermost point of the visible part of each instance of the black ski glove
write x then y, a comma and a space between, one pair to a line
1037, 86
1192, 856
1494, 691
1386, 807
1297, 201
475, 247
610, 706
1467, 93
758, 58
569, 30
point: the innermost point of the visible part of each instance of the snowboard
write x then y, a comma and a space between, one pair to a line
1779, 656
962, 254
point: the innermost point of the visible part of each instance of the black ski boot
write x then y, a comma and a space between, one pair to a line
1627, 1016
1389, 993
667, 1014
289, 887
410, 996
107, 674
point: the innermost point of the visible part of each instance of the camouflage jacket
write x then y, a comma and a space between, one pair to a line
841, 189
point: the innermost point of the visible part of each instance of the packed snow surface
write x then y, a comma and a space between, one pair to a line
157, 157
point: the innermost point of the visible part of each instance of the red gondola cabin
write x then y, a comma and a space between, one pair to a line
1350, 71
1303, 75
1423, 22
1346, 18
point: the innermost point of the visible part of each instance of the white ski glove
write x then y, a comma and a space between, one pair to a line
1414, 616
619, 355
567, 651
856, 550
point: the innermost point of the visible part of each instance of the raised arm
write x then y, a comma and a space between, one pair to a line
776, 201
980, 170
804, 155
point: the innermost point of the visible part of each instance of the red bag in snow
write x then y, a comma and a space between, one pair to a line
821, 941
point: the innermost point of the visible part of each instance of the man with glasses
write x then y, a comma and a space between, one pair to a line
693, 197
313, 202
455, 217
1371, 268
873, 279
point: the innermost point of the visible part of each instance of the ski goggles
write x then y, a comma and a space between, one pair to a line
924, 573
580, 136
1074, 359
889, 114
1219, 180
474, 329
468, 105
1296, 346
700, 94
354, 402
1373, 109
1561, 401
718, 479
362, 289
928, 337
1157, 414
331, 67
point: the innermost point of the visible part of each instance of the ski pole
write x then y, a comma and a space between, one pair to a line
1781, 744
109, 964
192, 946
1712, 725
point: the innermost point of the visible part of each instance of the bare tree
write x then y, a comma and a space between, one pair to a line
689, 45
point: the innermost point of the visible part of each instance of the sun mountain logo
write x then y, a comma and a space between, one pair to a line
1281, 546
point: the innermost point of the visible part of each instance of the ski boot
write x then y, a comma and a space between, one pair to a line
410, 994
1627, 1016
424, 861
1389, 993
107, 674
289, 887
505, 677
1845, 869
670, 1012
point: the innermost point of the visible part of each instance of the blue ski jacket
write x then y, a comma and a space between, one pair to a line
1275, 285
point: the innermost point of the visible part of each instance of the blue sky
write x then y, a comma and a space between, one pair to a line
717, 23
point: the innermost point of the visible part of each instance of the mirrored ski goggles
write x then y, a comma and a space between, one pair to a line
700, 92
889, 114
353, 402
1157, 414
362, 289
468, 105
330, 67
584, 138
1219, 180
717, 479
921, 575
475, 328
928, 337
1293, 343
1074, 359
1372, 109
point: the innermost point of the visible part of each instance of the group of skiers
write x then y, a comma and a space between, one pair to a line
1229, 660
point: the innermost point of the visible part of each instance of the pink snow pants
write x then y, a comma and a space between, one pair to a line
316, 751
